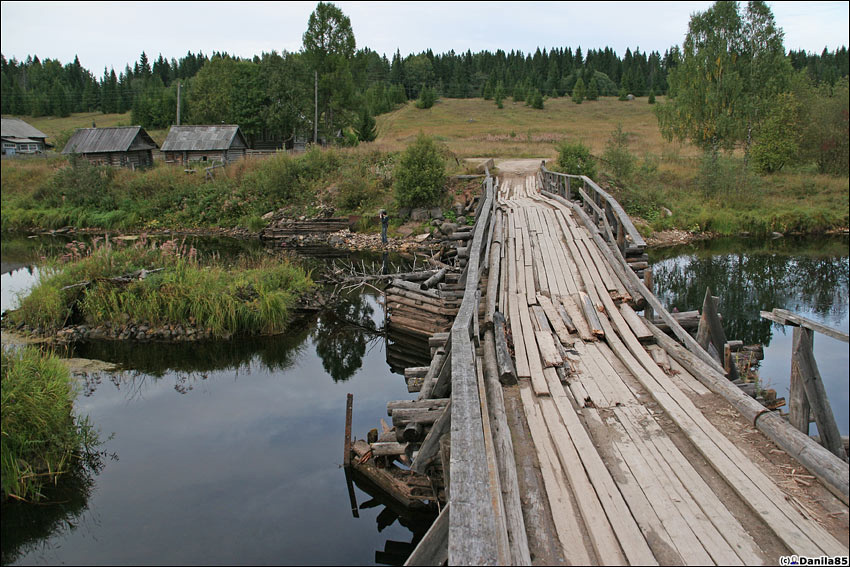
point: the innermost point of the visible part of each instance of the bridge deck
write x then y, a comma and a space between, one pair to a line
634, 468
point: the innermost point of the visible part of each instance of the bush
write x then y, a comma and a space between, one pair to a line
575, 159
420, 175
617, 156
427, 98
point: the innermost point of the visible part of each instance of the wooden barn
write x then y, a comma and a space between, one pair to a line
185, 144
21, 138
128, 146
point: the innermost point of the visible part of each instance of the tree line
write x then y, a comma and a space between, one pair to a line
272, 94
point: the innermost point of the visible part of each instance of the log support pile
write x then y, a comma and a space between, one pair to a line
287, 229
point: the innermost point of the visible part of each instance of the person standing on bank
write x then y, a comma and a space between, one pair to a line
385, 222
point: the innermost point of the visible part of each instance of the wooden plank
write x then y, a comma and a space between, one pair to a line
523, 369
643, 334
718, 336
628, 533
555, 320
647, 475
677, 495
755, 488
788, 318
591, 315
709, 504
834, 473
433, 548
577, 318
600, 535
548, 352
534, 365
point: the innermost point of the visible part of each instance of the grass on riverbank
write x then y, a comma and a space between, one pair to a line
255, 296
727, 200
42, 440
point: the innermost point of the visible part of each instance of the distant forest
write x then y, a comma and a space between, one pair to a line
274, 92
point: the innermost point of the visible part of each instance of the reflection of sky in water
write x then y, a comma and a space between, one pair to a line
748, 282
13, 283
244, 467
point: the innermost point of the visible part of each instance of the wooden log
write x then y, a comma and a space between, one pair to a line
438, 340
506, 371
427, 404
431, 377
407, 286
834, 473
388, 449
413, 432
503, 446
590, 314
433, 280
641, 332
401, 417
647, 280
415, 372
807, 369
349, 402
430, 447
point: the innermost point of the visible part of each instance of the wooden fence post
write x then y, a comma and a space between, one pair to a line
815, 393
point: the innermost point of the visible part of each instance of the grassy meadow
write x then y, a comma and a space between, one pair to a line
724, 197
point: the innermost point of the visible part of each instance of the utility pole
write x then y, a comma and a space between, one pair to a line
316, 111
178, 103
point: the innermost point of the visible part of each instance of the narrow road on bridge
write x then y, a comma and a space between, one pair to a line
638, 462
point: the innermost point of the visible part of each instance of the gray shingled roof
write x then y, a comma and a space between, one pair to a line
202, 138
97, 140
17, 128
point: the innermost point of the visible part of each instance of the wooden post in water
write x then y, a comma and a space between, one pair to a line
647, 280
802, 357
346, 459
715, 331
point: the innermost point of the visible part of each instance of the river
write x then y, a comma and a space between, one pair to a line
230, 452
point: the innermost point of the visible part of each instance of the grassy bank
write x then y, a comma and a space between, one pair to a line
725, 198
255, 296
51, 193
42, 440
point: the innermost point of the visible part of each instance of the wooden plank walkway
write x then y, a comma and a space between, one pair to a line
632, 469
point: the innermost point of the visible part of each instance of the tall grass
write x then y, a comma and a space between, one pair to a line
42, 440
254, 296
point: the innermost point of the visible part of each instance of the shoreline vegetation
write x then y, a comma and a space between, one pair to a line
663, 185
149, 291
43, 440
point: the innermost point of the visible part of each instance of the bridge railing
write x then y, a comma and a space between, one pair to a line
472, 528
606, 212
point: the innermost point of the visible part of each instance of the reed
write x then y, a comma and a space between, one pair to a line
253, 297
42, 439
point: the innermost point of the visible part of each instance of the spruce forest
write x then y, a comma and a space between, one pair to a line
273, 92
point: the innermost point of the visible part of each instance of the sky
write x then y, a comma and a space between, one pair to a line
113, 34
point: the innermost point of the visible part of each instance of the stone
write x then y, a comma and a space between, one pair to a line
461, 220
436, 222
437, 213
419, 215
448, 228
666, 212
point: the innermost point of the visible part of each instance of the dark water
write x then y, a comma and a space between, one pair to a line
809, 277
223, 452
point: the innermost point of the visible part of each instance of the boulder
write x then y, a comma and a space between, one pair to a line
448, 228
419, 215
437, 213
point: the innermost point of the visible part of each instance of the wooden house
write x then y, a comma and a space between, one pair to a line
21, 138
185, 144
128, 146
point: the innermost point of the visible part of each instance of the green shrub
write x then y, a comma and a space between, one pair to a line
420, 175
575, 158
617, 156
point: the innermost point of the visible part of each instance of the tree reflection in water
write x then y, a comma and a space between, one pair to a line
342, 333
802, 276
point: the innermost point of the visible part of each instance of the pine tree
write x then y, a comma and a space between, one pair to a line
651, 96
592, 90
579, 91
366, 129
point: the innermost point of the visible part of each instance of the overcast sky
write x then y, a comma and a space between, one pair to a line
112, 34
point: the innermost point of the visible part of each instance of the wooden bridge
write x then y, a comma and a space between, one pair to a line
601, 439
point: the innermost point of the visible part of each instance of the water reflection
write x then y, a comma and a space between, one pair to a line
229, 451
800, 277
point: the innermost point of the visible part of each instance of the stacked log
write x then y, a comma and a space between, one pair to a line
419, 312
286, 229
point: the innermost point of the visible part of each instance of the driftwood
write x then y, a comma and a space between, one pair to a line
118, 280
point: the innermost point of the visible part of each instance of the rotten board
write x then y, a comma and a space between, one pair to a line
550, 355
555, 320
577, 317
563, 502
